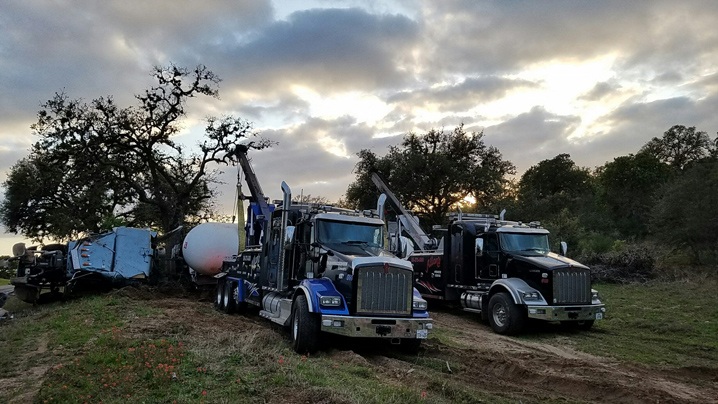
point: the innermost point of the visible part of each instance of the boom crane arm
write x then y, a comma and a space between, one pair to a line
255, 190
411, 227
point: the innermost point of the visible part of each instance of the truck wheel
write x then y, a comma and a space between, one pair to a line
218, 300
305, 327
505, 316
228, 302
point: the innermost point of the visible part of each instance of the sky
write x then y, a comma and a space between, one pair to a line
326, 79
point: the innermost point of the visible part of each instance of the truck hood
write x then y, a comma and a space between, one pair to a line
356, 250
367, 256
548, 261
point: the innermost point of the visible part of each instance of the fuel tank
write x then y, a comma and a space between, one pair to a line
208, 244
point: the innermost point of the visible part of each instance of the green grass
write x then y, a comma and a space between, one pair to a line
659, 323
115, 348
4, 281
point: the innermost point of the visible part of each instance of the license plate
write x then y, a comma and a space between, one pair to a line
599, 316
422, 334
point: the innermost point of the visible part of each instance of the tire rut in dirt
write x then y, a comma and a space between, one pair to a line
499, 364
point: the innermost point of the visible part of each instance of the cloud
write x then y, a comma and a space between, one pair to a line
303, 159
460, 96
91, 49
531, 137
329, 50
600, 91
462, 37
327, 79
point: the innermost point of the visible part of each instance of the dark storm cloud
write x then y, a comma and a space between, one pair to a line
634, 124
446, 56
328, 50
531, 137
300, 159
89, 49
507, 36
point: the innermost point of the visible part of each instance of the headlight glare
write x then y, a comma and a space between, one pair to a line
531, 296
419, 305
330, 301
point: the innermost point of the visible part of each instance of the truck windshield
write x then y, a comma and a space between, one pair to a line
331, 232
524, 242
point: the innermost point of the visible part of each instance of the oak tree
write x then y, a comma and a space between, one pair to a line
96, 164
433, 172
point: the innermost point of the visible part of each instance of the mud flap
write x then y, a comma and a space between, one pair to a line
27, 293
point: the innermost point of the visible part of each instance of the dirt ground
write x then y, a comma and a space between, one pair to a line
470, 355
556, 371
477, 357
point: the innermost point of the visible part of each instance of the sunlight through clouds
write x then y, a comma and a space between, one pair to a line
325, 80
364, 107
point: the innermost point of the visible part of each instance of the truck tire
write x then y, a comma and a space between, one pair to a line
305, 327
505, 316
219, 296
228, 302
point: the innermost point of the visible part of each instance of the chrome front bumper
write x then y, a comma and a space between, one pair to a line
377, 327
567, 313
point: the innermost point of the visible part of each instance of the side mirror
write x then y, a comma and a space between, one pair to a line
564, 248
407, 247
399, 246
18, 250
479, 249
289, 237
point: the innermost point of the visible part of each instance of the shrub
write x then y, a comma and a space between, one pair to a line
624, 263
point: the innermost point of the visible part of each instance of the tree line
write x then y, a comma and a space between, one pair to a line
666, 192
97, 165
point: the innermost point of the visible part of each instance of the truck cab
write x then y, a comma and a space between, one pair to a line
506, 272
324, 270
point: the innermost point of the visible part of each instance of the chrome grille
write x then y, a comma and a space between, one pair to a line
383, 290
571, 286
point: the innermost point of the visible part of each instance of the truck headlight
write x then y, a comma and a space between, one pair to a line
419, 305
595, 297
330, 301
531, 296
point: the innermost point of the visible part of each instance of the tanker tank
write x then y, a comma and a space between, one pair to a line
208, 244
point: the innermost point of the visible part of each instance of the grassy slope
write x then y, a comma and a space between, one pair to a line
4, 281
102, 348
661, 323
95, 349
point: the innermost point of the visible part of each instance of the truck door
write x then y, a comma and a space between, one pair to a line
272, 256
457, 254
489, 260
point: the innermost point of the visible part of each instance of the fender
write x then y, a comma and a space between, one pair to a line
418, 313
516, 287
313, 289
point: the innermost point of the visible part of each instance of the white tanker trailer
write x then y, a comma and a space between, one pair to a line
206, 246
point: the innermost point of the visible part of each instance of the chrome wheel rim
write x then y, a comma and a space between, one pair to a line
500, 315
